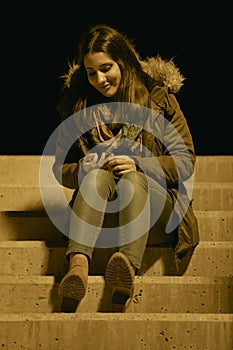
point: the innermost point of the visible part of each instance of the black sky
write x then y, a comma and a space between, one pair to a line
38, 40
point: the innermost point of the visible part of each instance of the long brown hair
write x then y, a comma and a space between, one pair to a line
134, 82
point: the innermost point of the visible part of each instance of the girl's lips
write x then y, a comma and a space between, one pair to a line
106, 86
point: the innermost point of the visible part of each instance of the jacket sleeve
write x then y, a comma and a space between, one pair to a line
176, 158
68, 157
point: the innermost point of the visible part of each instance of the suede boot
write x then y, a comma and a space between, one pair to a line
119, 275
74, 283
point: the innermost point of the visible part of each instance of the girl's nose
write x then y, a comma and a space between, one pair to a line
101, 77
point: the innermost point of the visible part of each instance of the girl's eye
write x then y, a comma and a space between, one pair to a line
106, 68
103, 69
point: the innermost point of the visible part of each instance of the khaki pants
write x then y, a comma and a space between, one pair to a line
129, 214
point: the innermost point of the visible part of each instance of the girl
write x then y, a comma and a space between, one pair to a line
128, 165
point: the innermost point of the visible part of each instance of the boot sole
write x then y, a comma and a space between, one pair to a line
72, 287
119, 277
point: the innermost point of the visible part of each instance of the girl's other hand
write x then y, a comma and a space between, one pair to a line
120, 165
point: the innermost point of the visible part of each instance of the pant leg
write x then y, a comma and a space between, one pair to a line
157, 206
162, 212
87, 216
134, 218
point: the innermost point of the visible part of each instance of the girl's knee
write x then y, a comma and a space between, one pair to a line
136, 178
101, 181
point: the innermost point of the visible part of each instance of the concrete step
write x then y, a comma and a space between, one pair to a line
20, 178
91, 331
25, 225
15, 197
24, 169
213, 226
38, 258
191, 309
213, 196
214, 168
151, 295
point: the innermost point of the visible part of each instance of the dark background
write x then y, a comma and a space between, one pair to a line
38, 40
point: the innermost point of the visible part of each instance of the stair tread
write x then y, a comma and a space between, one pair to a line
118, 331
43, 213
36, 185
25, 244
151, 294
40, 258
99, 279
207, 196
63, 317
214, 225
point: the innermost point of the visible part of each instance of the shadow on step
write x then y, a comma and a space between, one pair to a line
69, 305
159, 260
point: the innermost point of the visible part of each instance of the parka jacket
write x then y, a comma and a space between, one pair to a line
172, 157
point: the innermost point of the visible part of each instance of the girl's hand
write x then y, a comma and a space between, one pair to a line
120, 165
90, 161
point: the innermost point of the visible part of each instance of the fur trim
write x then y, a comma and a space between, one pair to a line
165, 72
69, 77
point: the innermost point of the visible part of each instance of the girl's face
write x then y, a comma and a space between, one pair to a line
103, 73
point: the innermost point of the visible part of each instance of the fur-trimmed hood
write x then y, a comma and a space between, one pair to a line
164, 71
